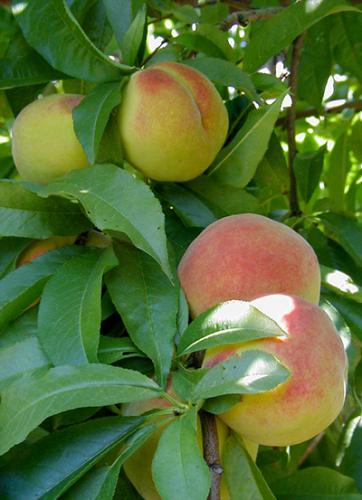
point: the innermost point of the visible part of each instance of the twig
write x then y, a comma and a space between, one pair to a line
211, 452
357, 105
244, 17
291, 116
312, 446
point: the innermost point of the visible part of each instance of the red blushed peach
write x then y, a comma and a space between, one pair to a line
172, 122
44, 143
39, 247
312, 397
244, 257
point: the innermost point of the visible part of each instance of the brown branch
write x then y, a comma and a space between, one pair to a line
291, 117
246, 16
312, 446
357, 105
211, 452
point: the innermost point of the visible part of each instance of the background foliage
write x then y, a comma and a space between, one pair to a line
291, 76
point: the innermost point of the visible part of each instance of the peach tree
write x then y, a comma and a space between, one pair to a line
129, 131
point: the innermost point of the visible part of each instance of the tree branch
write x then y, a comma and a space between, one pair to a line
291, 117
211, 452
244, 17
357, 105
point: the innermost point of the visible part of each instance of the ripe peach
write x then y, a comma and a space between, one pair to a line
172, 122
312, 397
244, 257
44, 142
141, 460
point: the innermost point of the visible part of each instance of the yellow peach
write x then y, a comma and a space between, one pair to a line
172, 122
44, 143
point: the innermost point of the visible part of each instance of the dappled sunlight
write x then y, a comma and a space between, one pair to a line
311, 5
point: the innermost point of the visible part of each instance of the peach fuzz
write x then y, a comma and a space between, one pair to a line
312, 397
244, 257
138, 467
44, 143
172, 122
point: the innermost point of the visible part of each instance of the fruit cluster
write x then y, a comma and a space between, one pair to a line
172, 123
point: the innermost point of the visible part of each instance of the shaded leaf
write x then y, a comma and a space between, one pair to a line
134, 38
91, 116
236, 164
148, 304
339, 165
31, 399
348, 232
51, 465
70, 310
308, 169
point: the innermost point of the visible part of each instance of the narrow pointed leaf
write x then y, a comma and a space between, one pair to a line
231, 322
249, 372
26, 215
236, 164
148, 304
243, 478
348, 232
70, 310
117, 202
91, 116
20, 288
178, 468
51, 465
339, 165
33, 398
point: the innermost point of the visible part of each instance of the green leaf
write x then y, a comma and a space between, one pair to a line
33, 398
24, 214
228, 200
339, 165
315, 64
91, 116
236, 164
22, 66
120, 14
191, 210
19, 289
70, 309
271, 36
308, 169
200, 43
231, 322
316, 483
148, 304
341, 283
21, 329
352, 460
356, 140
243, 478
19, 358
112, 349
345, 38
347, 231
268, 84
10, 249
178, 468
224, 73
51, 465
350, 311
248, 372
134, 37
81, 58
117, 202
100, 482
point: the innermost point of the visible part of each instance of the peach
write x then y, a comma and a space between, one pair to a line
312, 397
44, 143
139, 466
172, 122
244, 257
